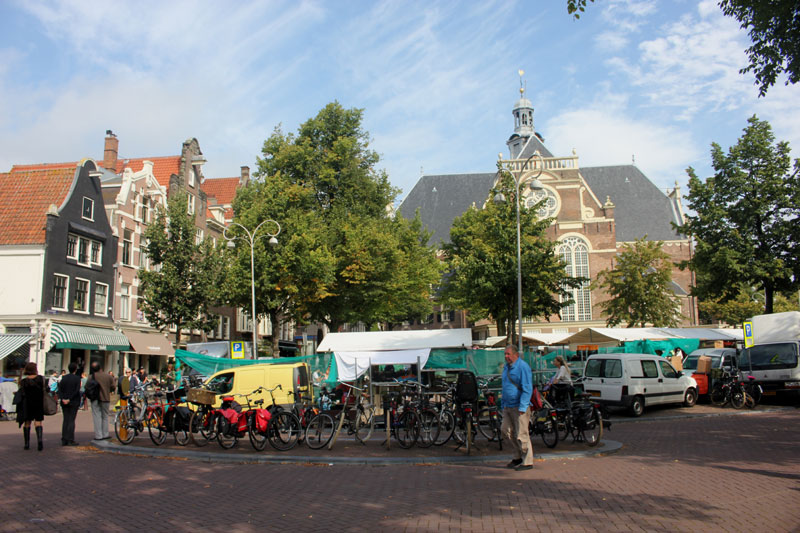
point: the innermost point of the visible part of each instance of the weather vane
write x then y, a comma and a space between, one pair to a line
521, 83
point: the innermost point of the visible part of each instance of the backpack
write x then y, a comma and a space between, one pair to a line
92, 389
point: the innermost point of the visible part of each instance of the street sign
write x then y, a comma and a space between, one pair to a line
237, 350
748, 335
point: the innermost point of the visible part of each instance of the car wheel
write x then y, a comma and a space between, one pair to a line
690, 398
637, 406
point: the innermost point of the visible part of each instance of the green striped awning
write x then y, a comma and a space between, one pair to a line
11, 341
86, 338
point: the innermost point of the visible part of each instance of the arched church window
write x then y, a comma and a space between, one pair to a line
550, 206
574, 252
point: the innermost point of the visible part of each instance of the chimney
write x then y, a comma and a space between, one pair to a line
245, 177
111, 151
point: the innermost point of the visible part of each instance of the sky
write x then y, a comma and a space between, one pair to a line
644, 81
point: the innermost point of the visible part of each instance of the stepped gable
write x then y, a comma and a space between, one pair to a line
442, 198
163, 167
640, 208
26, 193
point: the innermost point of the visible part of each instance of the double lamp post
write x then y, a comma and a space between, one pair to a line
251, 240
531, 180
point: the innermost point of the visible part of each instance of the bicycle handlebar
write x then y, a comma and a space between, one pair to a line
351, 386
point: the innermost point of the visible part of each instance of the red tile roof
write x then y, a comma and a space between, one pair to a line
163, 167
223, 189
26, 193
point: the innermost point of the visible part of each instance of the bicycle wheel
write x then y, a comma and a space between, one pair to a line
202, 427
592, 431
563, 425
549, 425
123, 429
180, 431
718, 395
407, 429
320, 431
155, 427
738, 397
485, 426
225, 441
447, 423
755, 392
365, 424
428, 429
283, 431
257, 439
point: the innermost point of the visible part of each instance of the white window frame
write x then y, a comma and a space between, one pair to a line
192, 177
74, 248
125, 242
125, 298
581, 308
83, 209
99, 261
190, 204
104, 311
65, 300
85, 309
88, 242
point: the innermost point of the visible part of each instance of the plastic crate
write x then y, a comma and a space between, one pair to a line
201, 396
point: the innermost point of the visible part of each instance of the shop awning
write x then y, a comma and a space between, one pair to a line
87, 338
143, 342
11, 341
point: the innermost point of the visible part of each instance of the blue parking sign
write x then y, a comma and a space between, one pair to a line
237, 350
748, 334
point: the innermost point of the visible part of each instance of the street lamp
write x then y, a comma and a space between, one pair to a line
251, 239
534, 184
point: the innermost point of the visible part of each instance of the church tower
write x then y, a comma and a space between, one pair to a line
523, 122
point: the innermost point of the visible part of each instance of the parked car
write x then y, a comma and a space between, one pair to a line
636, 380
724, 358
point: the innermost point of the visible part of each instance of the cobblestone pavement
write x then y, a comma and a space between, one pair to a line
732, 472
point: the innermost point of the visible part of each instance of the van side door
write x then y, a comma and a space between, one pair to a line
648, 382
673, 387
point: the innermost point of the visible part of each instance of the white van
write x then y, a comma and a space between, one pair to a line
633, 380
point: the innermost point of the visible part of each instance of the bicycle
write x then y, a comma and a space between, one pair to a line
490, 420
359, 419
201, 422
729, 389
582, 419
139, 414
544, 422
284, 426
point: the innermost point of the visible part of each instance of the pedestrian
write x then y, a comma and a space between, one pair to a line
69, 392
83, 390
125, 384
106, 384
516, 400
31, 406
138, 379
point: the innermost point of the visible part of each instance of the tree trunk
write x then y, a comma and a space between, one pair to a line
178, 335
769, 295
277, 321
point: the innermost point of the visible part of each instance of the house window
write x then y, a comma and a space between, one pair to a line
72, 246
190, 202
575, 254
97, 258
145, 209
81, 302
101, 299
88, 209
60, 291
83, 251
225, 322
125, 302
198, 238
127, 247
191, 177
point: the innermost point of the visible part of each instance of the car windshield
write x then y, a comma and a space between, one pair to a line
691, 362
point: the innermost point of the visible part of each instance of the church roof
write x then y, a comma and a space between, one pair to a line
440, 199
641, 208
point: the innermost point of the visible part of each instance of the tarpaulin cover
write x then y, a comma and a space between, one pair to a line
352, 365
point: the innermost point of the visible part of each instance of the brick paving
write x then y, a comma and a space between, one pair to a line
725, 473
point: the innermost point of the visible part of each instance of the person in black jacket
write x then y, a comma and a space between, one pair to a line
69, 392
31, 408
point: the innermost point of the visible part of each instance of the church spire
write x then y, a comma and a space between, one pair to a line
523, 111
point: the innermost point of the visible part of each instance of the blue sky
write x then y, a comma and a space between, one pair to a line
652, 80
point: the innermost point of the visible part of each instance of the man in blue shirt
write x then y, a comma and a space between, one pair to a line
516, 401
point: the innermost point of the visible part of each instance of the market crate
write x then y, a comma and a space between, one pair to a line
201, 396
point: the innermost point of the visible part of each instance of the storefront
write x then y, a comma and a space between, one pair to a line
14, 353
148, 350
84, 345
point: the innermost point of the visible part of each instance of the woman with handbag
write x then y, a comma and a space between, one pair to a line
31, 406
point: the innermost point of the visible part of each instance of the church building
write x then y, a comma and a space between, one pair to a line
596, 211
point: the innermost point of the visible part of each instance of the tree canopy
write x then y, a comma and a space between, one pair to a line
183, 283
482, 262
369, 267
746, 218
639, 287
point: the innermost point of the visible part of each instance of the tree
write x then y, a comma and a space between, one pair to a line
745, 304
746, 222
576, 7
774, 29
482, 262
640, 287
381, 268
185, 277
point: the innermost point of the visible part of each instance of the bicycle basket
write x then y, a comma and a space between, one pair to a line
201, 396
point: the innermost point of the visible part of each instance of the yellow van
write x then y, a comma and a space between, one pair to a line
292, 377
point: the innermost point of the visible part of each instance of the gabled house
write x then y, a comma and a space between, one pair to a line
57, 278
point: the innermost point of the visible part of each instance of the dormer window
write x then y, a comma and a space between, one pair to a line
88, 209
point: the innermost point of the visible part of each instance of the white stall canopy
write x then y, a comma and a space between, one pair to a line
351, 365
598, 335
376, 341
